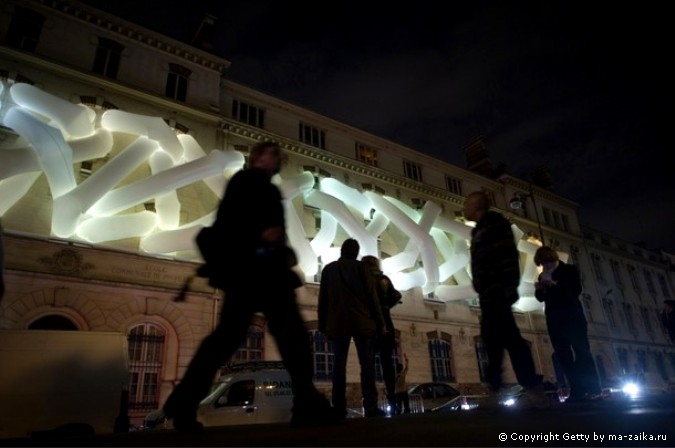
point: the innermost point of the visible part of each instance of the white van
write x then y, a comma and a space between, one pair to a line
257, 392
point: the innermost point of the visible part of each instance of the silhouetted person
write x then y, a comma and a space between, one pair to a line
495, 274
255, 273
385, 344
559, 286
349, 308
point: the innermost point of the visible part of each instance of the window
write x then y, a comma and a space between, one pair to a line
547, 216
177, 82
633, 278
241, 393
481, 356
664, 286
628, 314
146, 353
440, 356
324, 358
660, 365
366, 154
641, 356
565, 222
248, 114
609, 312
622, 355
24, 29
411, 170
107, 59
616, 272
597, 267
650, 283
644, 313
312, 136
253, 348
454, 185
588, 306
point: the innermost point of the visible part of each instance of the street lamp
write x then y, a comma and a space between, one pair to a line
517, 202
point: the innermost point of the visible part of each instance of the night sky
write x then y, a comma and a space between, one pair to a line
584, 88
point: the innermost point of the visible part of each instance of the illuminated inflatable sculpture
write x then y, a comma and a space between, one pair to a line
55, 134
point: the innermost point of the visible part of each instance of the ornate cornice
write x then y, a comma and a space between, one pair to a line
337, 161
128, 30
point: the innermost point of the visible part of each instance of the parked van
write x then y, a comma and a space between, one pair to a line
257, 392
62, 382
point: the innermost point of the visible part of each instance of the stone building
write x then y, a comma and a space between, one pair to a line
116, 145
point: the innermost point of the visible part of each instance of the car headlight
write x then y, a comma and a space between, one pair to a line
631, 389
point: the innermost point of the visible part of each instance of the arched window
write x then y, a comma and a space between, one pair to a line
146, 354
53, 322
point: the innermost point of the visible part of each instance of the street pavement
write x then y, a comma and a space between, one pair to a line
643, 422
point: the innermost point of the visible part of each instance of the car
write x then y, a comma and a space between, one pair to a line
256, 392
440, 397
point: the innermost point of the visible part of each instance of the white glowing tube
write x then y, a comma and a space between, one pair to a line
69, 208
448, 293
404, 281
53, 152
346, 219
348, 195
14, 188
144, 189
529, 268
112, 228
152, 127
298, 240
377, 225
454, 259
517, 233
171, 240
527, 304
167, 205
93, 146
326, 235
17, 161
73, 119
293, 186
453, 227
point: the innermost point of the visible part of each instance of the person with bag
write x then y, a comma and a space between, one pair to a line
251, 264
385, 344
559, 287
349, 308
495, 272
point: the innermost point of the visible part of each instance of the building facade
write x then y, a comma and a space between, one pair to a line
117, 143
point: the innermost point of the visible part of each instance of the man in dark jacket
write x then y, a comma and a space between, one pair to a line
349, 308
254, 271
495, 274
559, 286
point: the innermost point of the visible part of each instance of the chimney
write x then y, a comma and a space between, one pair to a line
477, 158
203, 38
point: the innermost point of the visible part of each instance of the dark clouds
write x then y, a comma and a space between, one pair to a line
583, 87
